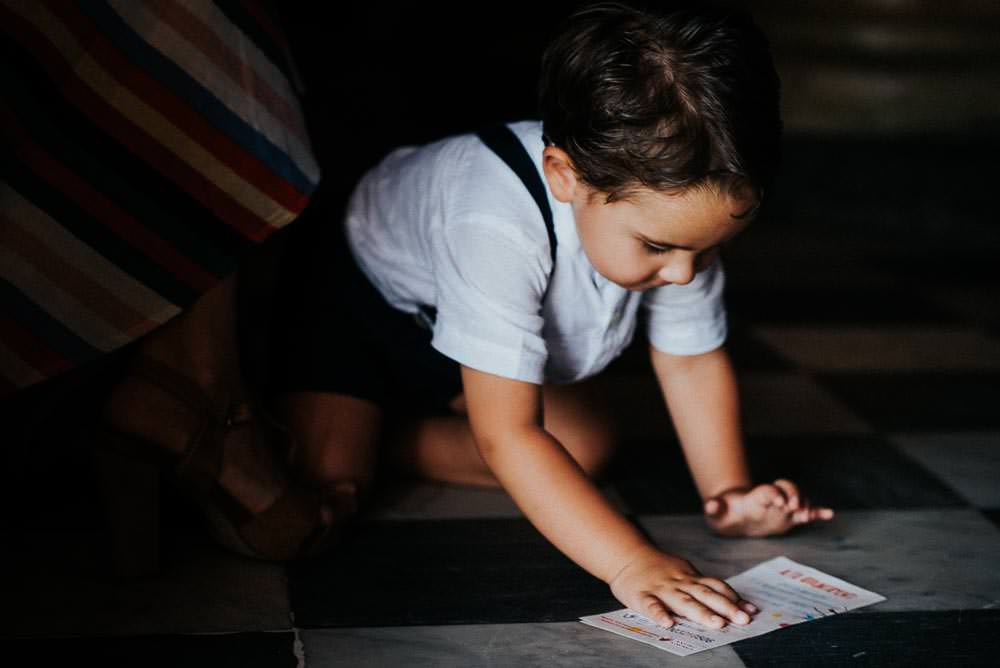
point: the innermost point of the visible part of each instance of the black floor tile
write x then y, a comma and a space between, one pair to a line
443, 572
832, 305
651, 478
237, 650
921, 401
843, 472
948, 638
850, 472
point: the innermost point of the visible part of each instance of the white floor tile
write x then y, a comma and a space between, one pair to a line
570, 644
919, 560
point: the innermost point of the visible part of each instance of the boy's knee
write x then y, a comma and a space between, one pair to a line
335, 439
337, 476
593, 447
581, 419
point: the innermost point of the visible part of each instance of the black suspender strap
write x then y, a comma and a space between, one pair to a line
502, 141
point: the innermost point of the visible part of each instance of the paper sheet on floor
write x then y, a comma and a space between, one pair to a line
786, 593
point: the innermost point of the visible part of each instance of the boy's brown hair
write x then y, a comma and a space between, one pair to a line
667, 101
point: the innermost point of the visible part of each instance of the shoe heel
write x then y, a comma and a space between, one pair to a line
130, 487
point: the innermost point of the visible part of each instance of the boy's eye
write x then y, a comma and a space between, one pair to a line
654, 250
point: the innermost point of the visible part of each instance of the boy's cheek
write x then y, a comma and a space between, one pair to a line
705, 259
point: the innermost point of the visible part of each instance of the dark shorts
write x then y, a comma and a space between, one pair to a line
334, 332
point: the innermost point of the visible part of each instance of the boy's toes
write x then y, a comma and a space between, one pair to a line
713, 508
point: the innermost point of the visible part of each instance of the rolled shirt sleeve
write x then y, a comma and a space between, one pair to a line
491, 281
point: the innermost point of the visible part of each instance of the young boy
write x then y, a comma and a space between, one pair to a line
498, 273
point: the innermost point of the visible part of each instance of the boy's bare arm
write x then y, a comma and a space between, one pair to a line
703, 400
541, 476
563, 504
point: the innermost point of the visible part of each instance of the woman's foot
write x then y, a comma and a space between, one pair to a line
251, 470
184, 398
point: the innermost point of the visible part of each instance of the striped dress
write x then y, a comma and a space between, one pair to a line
143, 146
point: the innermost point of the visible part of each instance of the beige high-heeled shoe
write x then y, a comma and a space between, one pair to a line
130, 468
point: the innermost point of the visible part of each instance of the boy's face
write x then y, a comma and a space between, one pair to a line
651, 238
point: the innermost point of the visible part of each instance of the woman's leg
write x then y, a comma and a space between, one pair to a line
184, 394
201, 345
443, 448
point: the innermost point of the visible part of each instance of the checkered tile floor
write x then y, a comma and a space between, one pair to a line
871, 375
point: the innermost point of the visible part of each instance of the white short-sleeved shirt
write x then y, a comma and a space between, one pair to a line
450, 225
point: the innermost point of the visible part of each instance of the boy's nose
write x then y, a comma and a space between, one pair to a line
678, 270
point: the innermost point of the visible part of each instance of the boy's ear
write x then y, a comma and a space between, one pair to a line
559, 173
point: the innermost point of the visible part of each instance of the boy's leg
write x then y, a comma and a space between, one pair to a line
443, 448
336, 437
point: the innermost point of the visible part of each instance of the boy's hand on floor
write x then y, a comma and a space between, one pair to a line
764, 510
661, 586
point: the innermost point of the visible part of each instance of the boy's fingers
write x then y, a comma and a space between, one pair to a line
715, 507
791, 492
820, 514
748, 607
719, 603
688, 606
769, 495
707, 608
656, 610
721, 587
807, 515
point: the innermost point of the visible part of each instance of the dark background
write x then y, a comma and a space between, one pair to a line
884, 218
892, 107
889, 177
